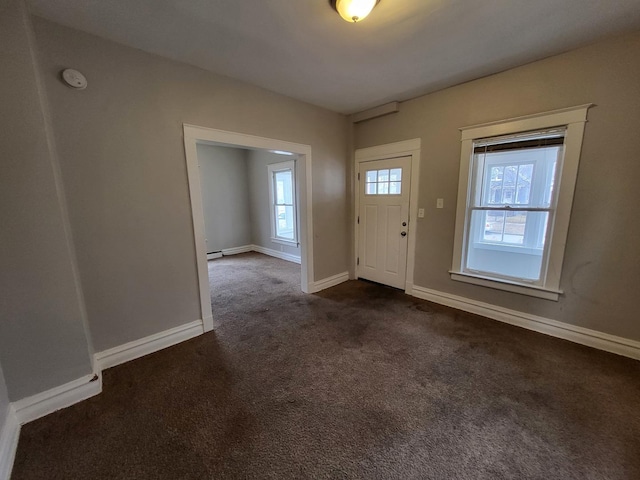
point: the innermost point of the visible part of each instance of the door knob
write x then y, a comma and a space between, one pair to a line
404, 234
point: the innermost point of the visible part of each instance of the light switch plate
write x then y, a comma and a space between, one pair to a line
421, 213
440, 203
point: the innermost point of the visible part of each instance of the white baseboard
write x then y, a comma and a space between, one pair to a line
41, 404
230, 251
255, 248
139, 348
584, 336
237, 250
274, 253
328, 282
9, 436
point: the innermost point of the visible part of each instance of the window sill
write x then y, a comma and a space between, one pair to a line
532, 291
290, 243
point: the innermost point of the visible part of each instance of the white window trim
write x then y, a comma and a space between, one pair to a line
272, 169
574, 119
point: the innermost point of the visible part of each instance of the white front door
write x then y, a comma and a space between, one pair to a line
383, 220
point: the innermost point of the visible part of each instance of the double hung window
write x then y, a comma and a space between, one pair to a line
515, 200
282, 194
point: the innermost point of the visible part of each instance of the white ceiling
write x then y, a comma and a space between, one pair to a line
303, 49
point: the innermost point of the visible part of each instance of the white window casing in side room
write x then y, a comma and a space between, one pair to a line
515, 192
282, 199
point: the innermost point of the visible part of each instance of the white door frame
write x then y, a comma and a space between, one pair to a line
407, 148
192, 136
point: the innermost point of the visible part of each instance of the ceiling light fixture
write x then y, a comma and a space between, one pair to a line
353, 10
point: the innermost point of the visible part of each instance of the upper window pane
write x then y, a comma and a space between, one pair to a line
284, 187
518, 177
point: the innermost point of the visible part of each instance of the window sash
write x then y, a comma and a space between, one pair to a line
536, 237
274, 170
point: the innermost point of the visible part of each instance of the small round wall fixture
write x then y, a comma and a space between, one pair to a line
74, 79
353, 10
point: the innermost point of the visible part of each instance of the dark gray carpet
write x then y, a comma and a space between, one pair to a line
359, 381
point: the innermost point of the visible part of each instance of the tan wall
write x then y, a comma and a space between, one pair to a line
122, 157
601, 272
225, 196
43, 343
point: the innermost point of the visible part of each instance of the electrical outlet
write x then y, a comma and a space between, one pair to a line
421, 213
440, 203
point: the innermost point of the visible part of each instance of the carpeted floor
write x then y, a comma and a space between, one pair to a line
359, 381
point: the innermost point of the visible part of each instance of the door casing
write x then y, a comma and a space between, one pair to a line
192, 136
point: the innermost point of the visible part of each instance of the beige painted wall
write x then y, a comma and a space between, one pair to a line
601, 270
225, 196
43, 343
122, 158
260, 206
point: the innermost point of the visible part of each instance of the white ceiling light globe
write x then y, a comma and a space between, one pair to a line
355, 10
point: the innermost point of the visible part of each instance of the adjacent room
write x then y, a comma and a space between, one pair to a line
249, 205
360, 239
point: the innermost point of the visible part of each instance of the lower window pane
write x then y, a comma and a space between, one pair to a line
493, 226
371, 188
507, 243
284, 222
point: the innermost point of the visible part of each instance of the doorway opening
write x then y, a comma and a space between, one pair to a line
289, 203
386, 213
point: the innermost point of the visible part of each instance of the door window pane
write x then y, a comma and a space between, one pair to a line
383, 182
395, 174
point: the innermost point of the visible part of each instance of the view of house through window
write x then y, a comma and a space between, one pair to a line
282, 194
